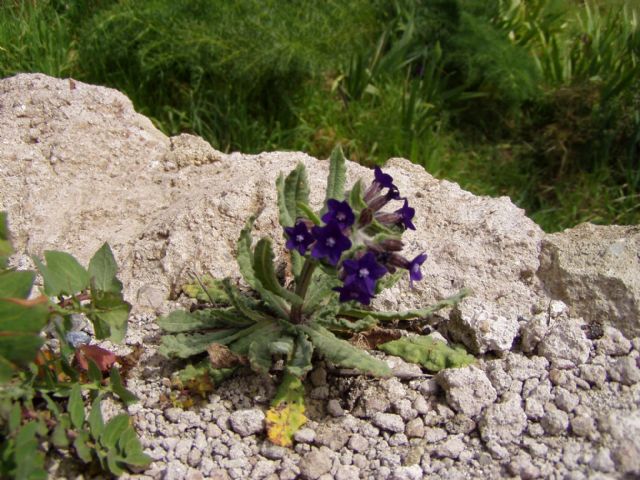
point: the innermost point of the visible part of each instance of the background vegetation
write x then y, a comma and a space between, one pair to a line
536, 99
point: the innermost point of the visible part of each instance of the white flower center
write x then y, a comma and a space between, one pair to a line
363, 272
416, 267
341, 217
299, 238
330, 242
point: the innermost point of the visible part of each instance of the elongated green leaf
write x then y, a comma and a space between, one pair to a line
300, 362
181, 321
239, 302
282, 346
113, 429
410, 314
207, 289
185, 346
336, 179
81, 446
345, 325
265, 273
434, 355
96, 422
264, 330
62, 275
29, 460
343, 353
16, 284
5, 245
76, 407
320, 291
245, 264
103, 270
292, 190
127, 397
259, 355
356, 199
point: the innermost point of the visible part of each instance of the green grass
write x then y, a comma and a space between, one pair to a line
536, 100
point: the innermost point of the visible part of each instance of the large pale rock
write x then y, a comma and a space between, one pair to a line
596, 270
79, 167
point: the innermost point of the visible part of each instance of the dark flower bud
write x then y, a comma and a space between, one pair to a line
365, 218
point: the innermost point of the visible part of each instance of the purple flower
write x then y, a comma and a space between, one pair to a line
299, 238
364, 271
340, 212
381, 180
354, 290
330, 242
414, 268
406, 214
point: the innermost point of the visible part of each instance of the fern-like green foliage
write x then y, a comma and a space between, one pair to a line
432, 354
286, 323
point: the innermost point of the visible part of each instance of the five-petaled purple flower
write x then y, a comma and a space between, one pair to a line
339, 212
330, 242
372, 196
415, 275
365, 271
406, 215
353, 290
299, 238
386, 181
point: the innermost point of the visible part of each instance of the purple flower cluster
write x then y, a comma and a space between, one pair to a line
329, 242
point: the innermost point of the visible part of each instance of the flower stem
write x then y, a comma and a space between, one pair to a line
301, 288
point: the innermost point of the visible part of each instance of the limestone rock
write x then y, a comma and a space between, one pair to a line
481, 328
596, 270
468, 389
566, 344
503, 422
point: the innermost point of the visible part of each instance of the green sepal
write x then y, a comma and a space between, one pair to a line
265, 273
343, 353
336, 179
410, 314
62, 274
432, 354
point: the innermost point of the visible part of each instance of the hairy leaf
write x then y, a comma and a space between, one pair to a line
96, 422
345, 325
292, 190
62, 275
113, 429
181, 321
356, 199
410, 314
434, 355
337, 177
103, 270
185, 346
265, 273
286, 415
344, 354
81, 446
245, 263
300, 362
264, 331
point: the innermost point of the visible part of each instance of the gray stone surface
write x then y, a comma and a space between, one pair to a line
247, 422
596, 270
468, 389
566, 344
503, 422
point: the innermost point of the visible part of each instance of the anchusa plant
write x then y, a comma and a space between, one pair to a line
340, 258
